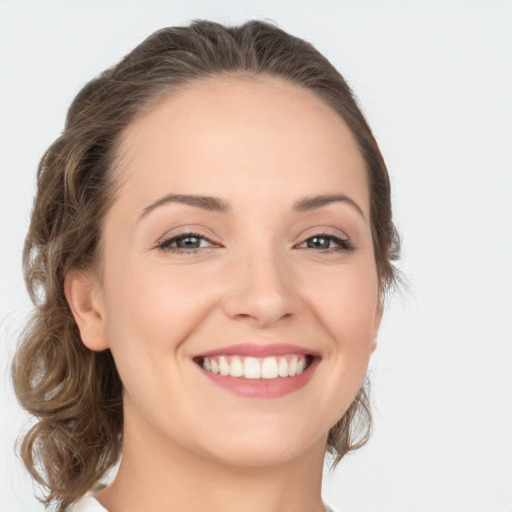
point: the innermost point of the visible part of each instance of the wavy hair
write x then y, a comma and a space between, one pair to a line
74, 393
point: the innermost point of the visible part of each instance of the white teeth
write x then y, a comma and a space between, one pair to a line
269, 368
256, 368
223, 366
236, 368
292, 366
252, 368
215, 366
283, 367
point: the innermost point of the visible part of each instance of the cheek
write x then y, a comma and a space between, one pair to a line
346, 303
148, 318
153, 311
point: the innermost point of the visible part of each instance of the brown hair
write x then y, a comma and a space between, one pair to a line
76, 394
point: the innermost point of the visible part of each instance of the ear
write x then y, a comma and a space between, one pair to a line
84, 296
378, 317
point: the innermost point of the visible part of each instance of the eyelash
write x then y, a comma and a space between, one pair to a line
344, 245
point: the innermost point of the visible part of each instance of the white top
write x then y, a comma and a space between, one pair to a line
88, 504
91, 504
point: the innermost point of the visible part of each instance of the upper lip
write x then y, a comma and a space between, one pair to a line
256, 350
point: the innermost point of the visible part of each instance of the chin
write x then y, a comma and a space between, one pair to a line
265, 447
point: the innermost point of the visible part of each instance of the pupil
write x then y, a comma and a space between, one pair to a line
320, 241
189, 241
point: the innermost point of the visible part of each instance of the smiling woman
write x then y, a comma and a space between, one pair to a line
210, 245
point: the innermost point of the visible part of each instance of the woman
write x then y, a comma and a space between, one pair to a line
208, 254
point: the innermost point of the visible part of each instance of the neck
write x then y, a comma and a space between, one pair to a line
156, 475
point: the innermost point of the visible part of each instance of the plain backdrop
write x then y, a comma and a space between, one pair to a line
434, 80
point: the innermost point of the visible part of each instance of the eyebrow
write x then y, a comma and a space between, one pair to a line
314, 202
215, 204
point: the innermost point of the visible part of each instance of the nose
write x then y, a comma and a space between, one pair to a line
262, 290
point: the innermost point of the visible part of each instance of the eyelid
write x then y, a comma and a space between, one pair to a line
328, 232
165, 242
343, 241
324, 231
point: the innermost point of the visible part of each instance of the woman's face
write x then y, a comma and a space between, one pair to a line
240, 238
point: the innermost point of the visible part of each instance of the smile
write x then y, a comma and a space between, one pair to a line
269, 368
252, 370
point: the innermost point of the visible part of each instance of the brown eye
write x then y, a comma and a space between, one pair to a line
188, 242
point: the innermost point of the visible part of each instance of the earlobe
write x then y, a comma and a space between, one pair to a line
84, 297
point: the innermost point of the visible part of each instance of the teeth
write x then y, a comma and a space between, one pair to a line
256, 368
223, 366
236, 368
252, 368
269, 368
214, 365
292, 366
283, 367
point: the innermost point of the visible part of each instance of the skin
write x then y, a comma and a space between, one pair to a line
260, 145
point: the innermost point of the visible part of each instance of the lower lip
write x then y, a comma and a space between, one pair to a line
262, 388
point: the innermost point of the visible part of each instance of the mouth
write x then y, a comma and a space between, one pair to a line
257, 368
252, 370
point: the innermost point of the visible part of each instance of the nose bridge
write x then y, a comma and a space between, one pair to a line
262, 288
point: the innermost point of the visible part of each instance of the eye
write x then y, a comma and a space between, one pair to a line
191, 243
185, 243
326, 242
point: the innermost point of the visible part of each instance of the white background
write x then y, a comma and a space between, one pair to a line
434, 79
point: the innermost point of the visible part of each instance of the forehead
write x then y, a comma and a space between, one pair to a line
233, 133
